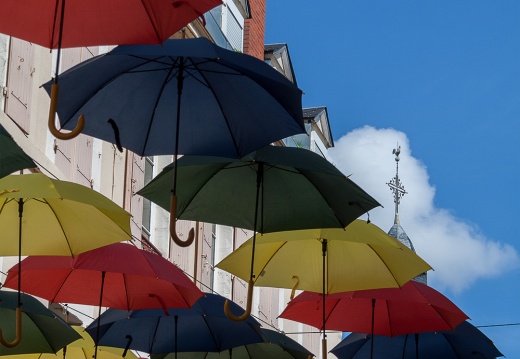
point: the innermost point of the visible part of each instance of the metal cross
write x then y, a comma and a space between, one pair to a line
395, 183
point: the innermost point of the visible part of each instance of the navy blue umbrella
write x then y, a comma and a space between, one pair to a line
185, 96
204, 327
465, 342
218, 102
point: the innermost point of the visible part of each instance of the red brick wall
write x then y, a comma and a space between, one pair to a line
254, 30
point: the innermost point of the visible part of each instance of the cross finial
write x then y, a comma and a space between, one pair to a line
395, 184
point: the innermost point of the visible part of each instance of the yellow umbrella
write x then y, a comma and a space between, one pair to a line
42, 216
361, 256
331, 260
58, 217
80, 349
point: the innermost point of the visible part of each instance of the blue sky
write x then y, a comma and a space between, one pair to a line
442, 78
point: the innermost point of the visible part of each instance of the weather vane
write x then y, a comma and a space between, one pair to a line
395, 184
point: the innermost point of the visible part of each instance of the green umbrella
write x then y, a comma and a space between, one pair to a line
42, 330
12, 157
298, 190
270, 190
276, 346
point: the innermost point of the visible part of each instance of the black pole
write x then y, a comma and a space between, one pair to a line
372, 330
99, 313
180, 85
416, 345
60, 37
20, 215
259, 177
324, 256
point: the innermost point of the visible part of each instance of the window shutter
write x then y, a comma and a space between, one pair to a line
20, 82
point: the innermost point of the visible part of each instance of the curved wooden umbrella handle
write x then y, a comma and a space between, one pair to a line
293, 291
52, 116
249, 303
18, 336
173, 221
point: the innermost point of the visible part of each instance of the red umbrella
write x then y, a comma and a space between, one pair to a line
117, 276
413, 308
58, 24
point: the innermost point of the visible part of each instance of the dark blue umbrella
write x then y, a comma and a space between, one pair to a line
185, 96
223, 103
465, 342
204, 327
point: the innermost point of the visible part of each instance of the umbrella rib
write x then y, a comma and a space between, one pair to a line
158, 320
155, 30
235, 145
105, 84
61, 226
192, 198
271, 257
383, 261
159, 95
211, 333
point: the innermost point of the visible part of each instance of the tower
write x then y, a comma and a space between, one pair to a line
397, 231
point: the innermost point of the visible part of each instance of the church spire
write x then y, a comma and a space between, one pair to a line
395, 184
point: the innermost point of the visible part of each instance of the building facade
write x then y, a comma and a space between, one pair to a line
237, 25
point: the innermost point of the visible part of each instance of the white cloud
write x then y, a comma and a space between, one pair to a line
438, 236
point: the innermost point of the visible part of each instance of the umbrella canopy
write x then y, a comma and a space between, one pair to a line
12, 157
413, 308
204, 327
117, 276
361, 256
90, 23
42, 330
465, 342
82, 348
185, 96
299, 189
57, 217
276, 346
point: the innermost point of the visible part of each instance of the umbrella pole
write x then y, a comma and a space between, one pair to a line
18, 335
416, 345
324, 339
227, 310
55, 87
99, 313
372, 331
173, 200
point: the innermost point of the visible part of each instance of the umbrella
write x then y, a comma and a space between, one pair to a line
272, 189
12, 157
118, 276
276, 346
361, 256
75, 23
413, 308
42, 216
465, 342
41, 330
186, 96
82, 348
204, 327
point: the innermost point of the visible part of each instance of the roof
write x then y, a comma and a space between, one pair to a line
277, 55
398, 233
319, 115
